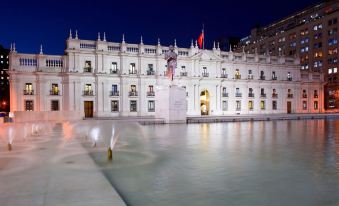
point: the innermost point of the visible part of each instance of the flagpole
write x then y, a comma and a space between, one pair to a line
203, 33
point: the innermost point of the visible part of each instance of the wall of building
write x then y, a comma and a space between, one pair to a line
197, 71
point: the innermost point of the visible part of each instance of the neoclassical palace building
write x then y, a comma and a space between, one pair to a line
108, 79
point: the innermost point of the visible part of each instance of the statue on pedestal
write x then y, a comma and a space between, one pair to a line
171, 58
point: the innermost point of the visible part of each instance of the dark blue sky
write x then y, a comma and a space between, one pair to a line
31, 23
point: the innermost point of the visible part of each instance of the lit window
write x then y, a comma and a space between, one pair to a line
250, 105
262, 105
304, 105
114, 105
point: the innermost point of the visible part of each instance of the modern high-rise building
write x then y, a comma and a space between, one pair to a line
311, 35
4, 83
110, 79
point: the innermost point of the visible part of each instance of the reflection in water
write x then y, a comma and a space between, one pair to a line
238, 163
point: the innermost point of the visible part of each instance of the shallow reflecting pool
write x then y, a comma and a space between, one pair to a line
241, 163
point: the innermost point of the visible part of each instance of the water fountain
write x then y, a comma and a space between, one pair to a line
11, 132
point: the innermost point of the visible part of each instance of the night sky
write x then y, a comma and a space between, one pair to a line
31, 23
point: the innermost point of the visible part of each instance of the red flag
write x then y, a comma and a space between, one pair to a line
201, 40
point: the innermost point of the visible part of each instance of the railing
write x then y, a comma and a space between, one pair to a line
274, 96
116, 71
151, 110
28, 92
304, 95
315, 96
250, 76
88, 93
262, 78
150, 93
87, 69
150, 72
289, 78
274, 78
237, 109
224, 94
263, 95
132, 71
250, 94
238, 95
114, 93
289, 95
237, 76
204, 74
183, 74
52, 92
132, 94
224, 76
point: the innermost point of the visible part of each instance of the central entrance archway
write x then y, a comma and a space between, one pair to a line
204, 102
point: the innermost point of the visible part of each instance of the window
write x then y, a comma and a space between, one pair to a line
133, 88
28, 89
315, 104
318, 63
88, 66
204, 72
318, 27
133, 105
289, 76
332, 51
304, 94
151, 106
237, 74
304, 105
224, 105
274, 105
332, 42
55, 89
238, 105
114, 105
150, 70
274, 76
55, 105
88, 89
332, 60
150, 91
262, 105
332, 21
332, 31
114, 91
250, 75
132, 69
318, 36
29, 105
315, 94
114, 68
223, 73
250, 105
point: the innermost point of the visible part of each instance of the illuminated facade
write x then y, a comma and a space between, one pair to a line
4, 80
108, 79
312, 36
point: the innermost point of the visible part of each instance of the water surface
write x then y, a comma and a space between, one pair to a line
241, 163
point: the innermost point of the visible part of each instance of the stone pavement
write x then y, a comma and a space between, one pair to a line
50, 170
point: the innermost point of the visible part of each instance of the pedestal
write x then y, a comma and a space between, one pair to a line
170, 104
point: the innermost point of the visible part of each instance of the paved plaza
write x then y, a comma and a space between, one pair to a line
47, 170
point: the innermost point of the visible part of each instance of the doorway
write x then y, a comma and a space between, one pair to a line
289, 107
88, 108
204, 102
